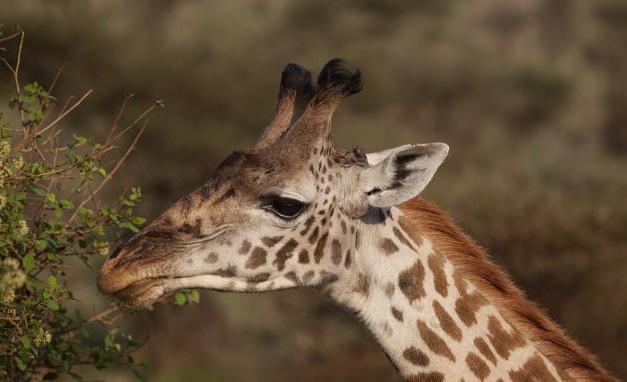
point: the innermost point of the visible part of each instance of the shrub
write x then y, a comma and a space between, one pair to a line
50, 213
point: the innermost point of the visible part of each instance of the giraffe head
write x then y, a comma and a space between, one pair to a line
285, 213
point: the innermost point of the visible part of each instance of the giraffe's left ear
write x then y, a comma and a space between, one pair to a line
401, 173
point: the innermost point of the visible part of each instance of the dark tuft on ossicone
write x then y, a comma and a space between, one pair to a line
297, 80
295, 77
336, 80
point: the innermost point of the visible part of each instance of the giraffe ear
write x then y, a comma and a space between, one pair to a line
401, 173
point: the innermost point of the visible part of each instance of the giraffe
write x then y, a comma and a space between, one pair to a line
294, 211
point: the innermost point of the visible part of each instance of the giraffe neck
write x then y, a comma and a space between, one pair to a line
433, 324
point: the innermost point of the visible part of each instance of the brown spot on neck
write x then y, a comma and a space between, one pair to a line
410, 281
397, 314
503, 342
468, 304
387, 246
416, 356
484, 349
435, 262
477, 366
446, 322
434, 342
534, 369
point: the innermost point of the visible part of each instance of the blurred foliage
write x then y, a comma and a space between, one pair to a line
529, 94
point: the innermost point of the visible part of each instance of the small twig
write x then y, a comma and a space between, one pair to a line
119, 115
54, 81
100, 317
15, 70
17, 89
19, 60
10, 37
141, 116
66, 112
110, 174
92, 196
27, 136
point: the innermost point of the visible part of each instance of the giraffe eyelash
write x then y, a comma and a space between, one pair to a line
285, 208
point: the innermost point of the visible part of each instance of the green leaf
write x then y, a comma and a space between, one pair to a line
25, 342
40, 245
78, 140
66, 204
28, 261
99, 230
52, 304
37, 191
180, 298
19, 363
52, 198
193, 297
129, 226
52, 282
138, 220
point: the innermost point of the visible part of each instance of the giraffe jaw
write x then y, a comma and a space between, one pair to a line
145, 293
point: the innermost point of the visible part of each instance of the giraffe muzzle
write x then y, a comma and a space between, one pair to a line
136, 265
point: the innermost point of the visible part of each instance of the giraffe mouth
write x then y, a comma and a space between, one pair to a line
143, 294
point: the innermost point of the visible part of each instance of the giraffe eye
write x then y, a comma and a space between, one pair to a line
285, 208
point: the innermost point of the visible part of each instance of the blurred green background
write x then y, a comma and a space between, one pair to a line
531, 95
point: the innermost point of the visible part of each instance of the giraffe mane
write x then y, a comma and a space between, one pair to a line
474, 263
